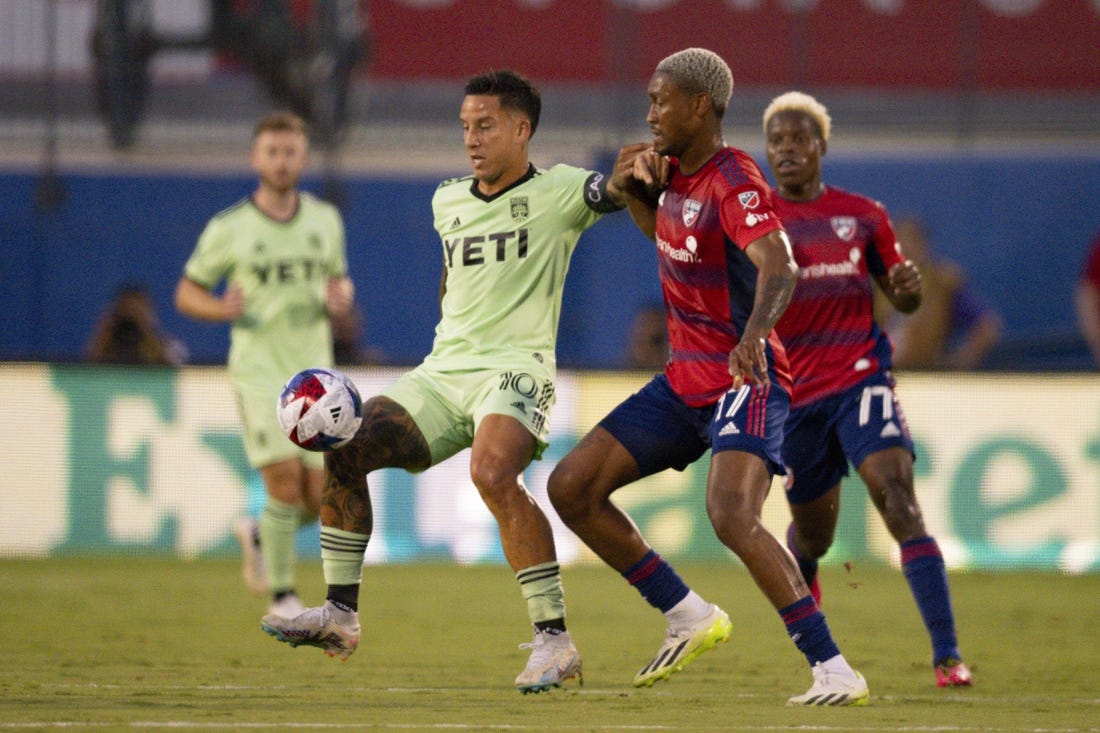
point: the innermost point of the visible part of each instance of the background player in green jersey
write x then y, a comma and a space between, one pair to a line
507, 233
281, 255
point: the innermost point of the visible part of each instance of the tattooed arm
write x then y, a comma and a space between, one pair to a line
775, 281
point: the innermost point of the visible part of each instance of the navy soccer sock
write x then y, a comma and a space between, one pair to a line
807, 628
924, 568
658, 583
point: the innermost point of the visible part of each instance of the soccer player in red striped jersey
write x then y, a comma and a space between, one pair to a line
727, 273
843, 407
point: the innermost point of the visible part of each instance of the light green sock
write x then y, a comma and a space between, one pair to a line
541, 587
278, 533
342, 555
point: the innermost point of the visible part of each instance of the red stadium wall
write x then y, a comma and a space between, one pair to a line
900, 44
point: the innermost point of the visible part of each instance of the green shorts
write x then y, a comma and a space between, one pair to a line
448, 406
265, 442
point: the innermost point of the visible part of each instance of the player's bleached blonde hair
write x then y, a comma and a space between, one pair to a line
804, 103
697, 70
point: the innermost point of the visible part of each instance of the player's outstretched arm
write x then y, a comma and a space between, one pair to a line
775, 280
902, 286
197, 302
644, 216
339, 295
648, 176
621, 183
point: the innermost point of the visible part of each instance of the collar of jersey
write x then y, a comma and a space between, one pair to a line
531, 170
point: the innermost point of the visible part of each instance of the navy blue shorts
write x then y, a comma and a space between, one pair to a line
824, 436
660, 431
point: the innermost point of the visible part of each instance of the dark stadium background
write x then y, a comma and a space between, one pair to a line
960, 112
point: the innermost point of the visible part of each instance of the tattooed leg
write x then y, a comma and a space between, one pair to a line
388, 438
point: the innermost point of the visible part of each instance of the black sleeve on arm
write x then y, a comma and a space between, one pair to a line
596, 196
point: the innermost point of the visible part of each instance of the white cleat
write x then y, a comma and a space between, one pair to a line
683, 645
834, 689
316, 627
554, 659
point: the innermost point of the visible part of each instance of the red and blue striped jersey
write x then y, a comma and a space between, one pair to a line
704, 223
840, 239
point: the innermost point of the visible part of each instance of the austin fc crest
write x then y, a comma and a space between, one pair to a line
519, 209
691, 211
844, 226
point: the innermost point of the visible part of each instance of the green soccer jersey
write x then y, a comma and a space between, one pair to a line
282, 269
506, 257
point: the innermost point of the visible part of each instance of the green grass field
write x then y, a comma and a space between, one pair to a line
124, 644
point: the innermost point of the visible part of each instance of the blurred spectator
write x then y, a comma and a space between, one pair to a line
129, 332
348, 329
1086, 300
953, 328
647, 344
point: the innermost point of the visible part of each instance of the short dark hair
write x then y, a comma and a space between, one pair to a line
513, 90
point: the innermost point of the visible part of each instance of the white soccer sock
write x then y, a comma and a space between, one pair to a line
692, 608
838, 665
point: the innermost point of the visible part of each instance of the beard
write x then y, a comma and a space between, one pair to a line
279, 182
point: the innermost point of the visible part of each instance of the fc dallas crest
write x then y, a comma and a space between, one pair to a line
691, 211
844, 226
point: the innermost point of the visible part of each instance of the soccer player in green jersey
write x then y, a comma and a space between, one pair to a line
281, 255
507, 234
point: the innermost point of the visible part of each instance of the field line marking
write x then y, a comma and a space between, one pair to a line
733, 728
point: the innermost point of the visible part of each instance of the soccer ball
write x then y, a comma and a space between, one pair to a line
320, 409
